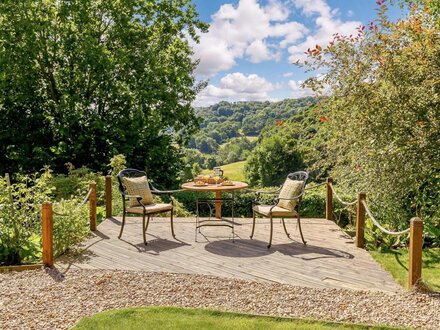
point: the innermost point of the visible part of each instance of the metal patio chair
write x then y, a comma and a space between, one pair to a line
286, 203
138, 192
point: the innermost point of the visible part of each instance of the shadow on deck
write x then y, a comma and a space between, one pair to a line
330, 259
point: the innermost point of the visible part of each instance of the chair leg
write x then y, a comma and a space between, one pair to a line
300, 230
172, 224
144, 229
122, 225
271, 232
285, 229
148, 222
253, 225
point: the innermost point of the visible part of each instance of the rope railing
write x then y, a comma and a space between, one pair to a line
340, 199
47, 222
378, 225
315, 186
84, 201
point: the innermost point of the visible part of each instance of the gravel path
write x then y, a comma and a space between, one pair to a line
47, 299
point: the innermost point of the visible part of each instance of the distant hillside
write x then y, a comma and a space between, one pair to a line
224, 120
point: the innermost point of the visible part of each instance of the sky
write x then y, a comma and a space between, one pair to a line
247, 54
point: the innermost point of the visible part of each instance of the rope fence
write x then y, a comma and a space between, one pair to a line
340, 199
362, 210
77, 207
378, 225
47, 216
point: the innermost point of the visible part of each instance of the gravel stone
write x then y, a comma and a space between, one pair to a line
49, 299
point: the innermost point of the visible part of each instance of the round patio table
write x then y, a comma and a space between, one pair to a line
218, 189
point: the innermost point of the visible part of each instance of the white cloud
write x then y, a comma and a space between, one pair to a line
287, 74
327, 23
243, 31
297, 91
236, 87
350, 13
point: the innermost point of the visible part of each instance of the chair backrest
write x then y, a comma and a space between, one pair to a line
130, 173
299, 176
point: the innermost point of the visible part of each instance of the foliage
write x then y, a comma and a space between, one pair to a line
397, 261
117, 164
236, 149
20, 221
185, 318
225, 121
76, 183
72, 227
290, 146
380, 123
84, 80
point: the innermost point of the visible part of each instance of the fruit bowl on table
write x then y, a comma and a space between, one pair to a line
199, 183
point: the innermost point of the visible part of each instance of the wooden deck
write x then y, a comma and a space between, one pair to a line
330, 260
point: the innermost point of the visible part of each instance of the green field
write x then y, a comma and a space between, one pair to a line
233, 171
396, 262
252, 138
182, 318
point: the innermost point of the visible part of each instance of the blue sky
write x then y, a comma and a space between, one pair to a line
248, 51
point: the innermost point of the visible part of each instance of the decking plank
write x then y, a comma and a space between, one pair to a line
330, 260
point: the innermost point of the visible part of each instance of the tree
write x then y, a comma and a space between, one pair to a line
83, 80
381, 121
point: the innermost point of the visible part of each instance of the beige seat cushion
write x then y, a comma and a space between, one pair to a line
276, 211
138, 187
151, 208
290, 189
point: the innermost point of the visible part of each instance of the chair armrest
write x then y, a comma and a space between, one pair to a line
260, 192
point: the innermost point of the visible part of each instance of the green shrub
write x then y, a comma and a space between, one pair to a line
20, 220
76, 183
71, 228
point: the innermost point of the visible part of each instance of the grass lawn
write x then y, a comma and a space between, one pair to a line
396, 262
233, 171
181, 318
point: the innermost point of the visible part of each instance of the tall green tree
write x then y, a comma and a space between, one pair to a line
382, 119
83, 80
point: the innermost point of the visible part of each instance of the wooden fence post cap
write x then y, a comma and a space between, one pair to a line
416, 221
47, 204
329, 180
362, 195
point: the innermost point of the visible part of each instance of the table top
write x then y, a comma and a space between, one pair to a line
213, 187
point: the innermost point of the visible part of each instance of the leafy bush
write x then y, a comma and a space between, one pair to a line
72, 228
20, 214
380, 122
20, 219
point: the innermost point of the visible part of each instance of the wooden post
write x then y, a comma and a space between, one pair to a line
360, 220
47, 234
329, 200
92, 200
415, 252
108, 196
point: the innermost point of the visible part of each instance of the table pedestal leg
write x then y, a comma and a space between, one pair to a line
218, 205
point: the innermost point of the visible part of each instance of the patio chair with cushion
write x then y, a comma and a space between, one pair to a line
137, 192
286, 203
